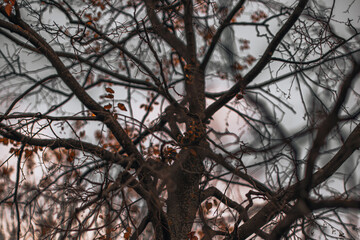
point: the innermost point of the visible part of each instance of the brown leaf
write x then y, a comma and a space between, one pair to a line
109, 90
208, 205
127, 235
122, 107
82, 134
109, 96
239, 96
8, 9
107, 107
128, 232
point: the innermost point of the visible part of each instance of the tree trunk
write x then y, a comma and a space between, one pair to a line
183, 199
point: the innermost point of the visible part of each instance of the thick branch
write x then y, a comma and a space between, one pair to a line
25, 31
301, 209
215, 39
326, 127
68, 143
162, 31
214, 192
264, 60
270, 210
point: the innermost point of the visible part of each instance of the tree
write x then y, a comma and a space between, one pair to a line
162, 119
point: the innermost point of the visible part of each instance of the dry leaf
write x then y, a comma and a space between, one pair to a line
109, 90
107, 107
122, 107
8, 9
